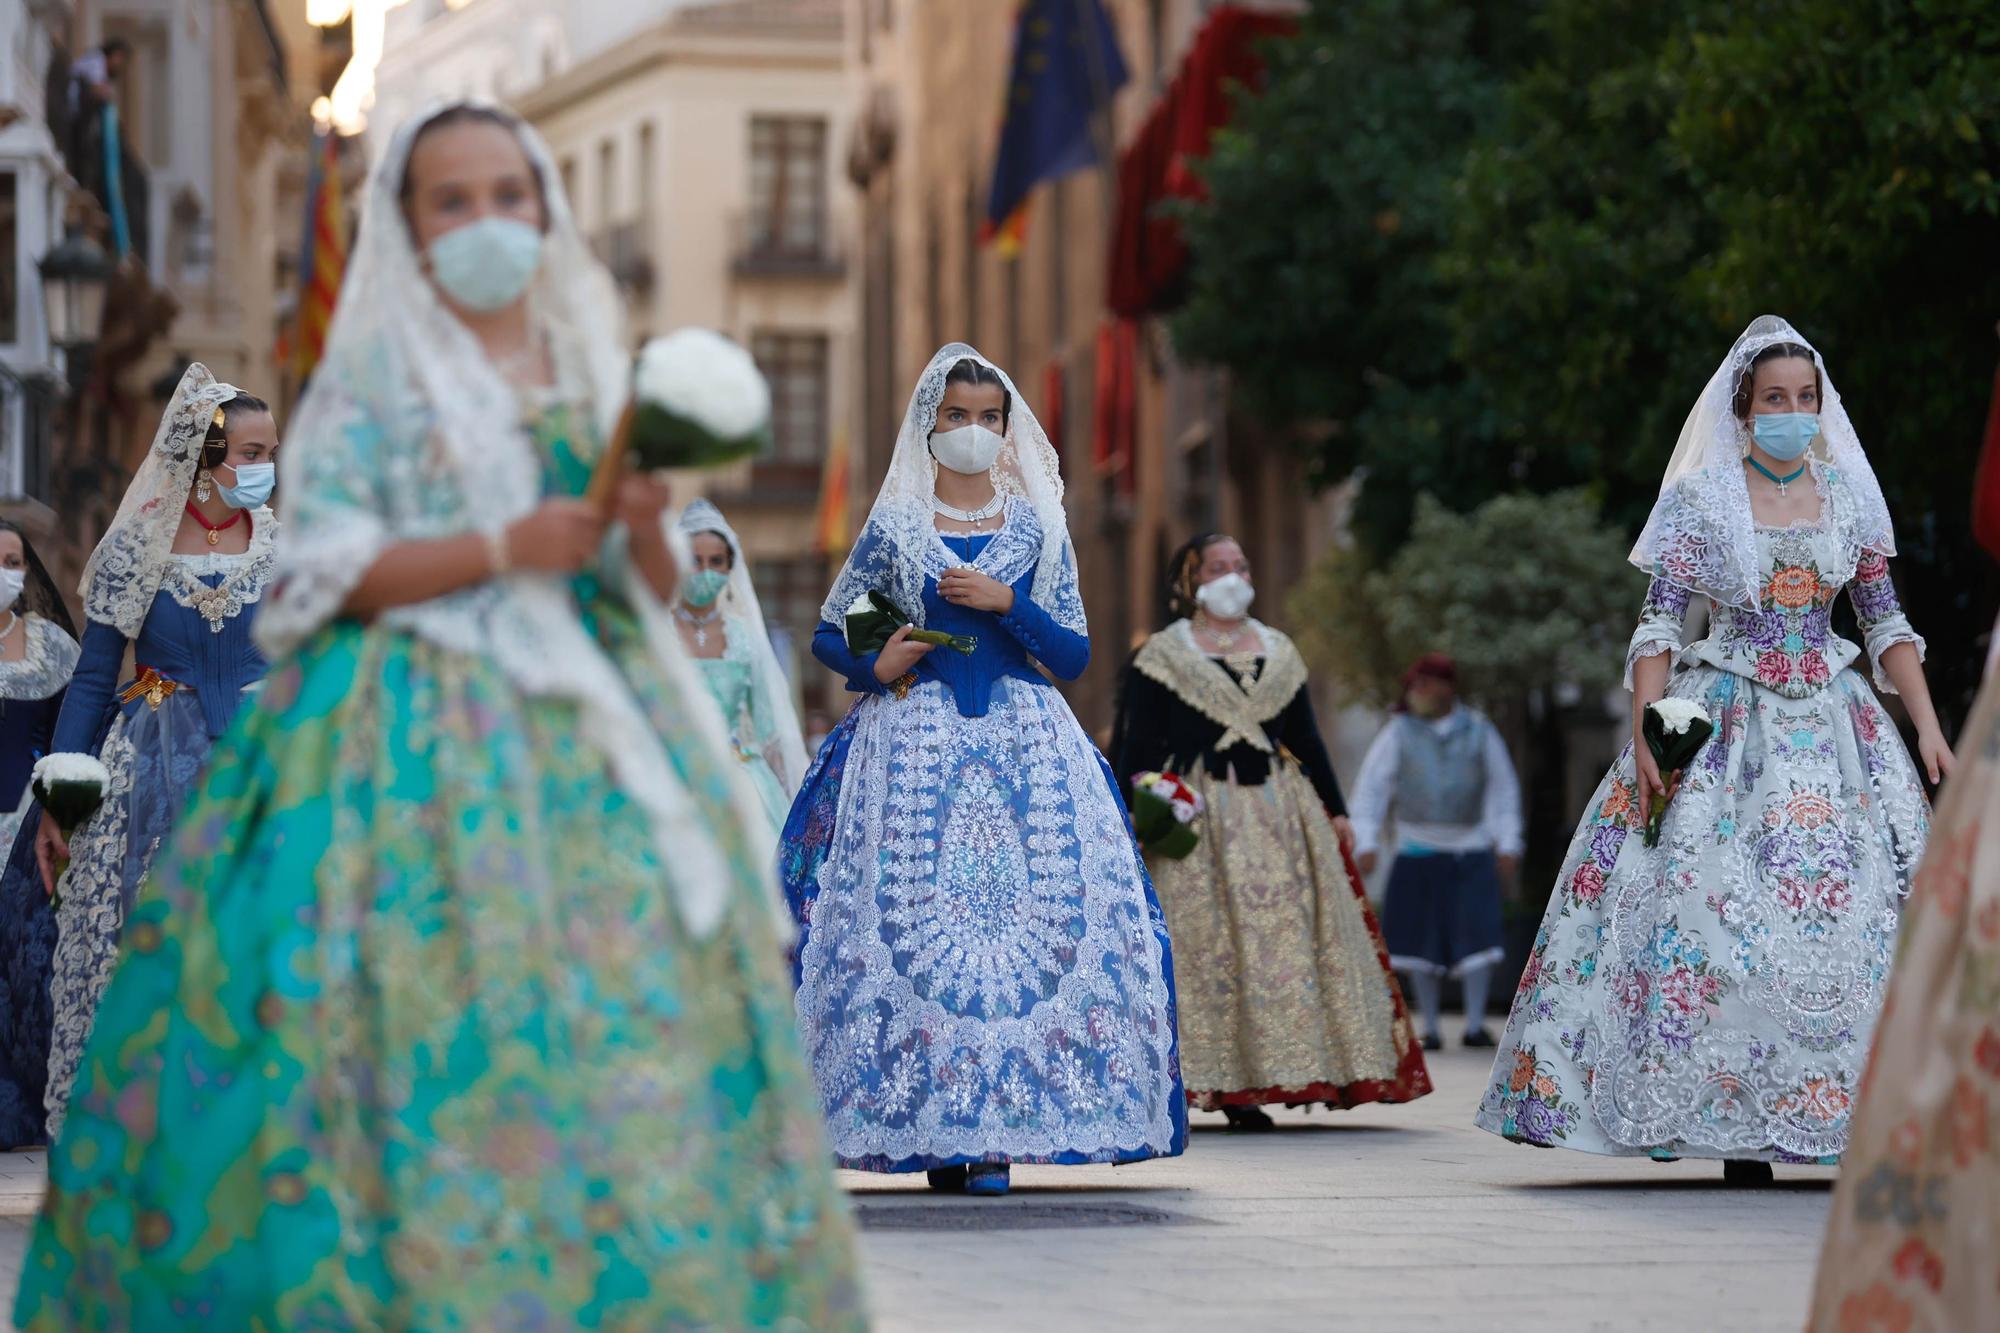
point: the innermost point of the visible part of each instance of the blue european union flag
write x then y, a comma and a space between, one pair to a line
1066, 67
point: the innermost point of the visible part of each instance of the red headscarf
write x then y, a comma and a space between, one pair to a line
1431, 666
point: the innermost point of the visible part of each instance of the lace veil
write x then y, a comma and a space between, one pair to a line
899, 547
776, 722
1701, 534
124, 572
408, 432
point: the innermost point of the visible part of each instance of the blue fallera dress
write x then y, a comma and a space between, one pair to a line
984, 970
153, 728
31, 695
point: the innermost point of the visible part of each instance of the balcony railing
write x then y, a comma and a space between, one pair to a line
764, 254
627, 251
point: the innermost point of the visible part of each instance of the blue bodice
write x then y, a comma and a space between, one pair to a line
1006, 643
206, 650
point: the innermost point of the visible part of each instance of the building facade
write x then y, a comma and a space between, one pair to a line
701, 155
931, 78
32, 195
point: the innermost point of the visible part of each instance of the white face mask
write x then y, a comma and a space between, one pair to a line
12, 581
1227, 598
969, 449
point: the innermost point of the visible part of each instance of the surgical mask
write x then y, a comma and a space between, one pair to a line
969, 449
703, 587
12, 581
486, 265
1227, 598
254, 484
1785, 435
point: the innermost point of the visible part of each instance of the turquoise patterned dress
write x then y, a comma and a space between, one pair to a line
730, 679
355, 1072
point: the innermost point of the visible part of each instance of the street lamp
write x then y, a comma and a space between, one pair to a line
74, 276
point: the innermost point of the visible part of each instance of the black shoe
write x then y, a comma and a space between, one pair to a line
1479, 1037
1750, 1174
1249, 1119
1433, 1042
950, 1179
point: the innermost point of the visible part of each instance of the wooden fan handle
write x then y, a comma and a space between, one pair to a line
604, 480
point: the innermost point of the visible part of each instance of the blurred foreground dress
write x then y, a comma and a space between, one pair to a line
457, 1000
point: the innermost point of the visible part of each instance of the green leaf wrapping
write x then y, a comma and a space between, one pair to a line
665, 439
1159, 832
1673, 752
870, 631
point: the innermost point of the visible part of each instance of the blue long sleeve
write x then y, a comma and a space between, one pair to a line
830, 647
89, 697
1064, 652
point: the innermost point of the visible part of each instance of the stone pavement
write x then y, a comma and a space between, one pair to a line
1385, 1218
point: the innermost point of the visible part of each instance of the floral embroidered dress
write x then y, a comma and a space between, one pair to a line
1285, 994
1914, 1238
984, 969
731, 681
431, 1016
31, 695
1714, 996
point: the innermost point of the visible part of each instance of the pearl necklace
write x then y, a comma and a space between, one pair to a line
1225, 640
700, 623
13, 623
979, 515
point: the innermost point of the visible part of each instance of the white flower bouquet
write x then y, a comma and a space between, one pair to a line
1674, 731
69, 787
698, 401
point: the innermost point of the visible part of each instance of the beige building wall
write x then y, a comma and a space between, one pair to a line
930, 80
653, 139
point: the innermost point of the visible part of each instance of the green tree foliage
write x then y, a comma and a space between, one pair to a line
1527, 592
1478, 260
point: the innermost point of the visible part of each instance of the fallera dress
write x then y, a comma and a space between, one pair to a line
984, 972
1715, 996
408, 1032
1285, 994
31, 695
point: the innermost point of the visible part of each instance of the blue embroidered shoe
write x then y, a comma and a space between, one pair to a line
987, 1178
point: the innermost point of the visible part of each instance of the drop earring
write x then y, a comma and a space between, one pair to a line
203, 486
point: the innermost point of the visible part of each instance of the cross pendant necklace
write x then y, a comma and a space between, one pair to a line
1784, 483
700, 623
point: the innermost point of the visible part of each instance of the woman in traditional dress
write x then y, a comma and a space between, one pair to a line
38, 653
1713, 996
1914, 1240
176, 584
458, 1000
984, 974
722, 628
1285, 990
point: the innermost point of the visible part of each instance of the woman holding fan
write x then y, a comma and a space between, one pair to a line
467, 909
984, 975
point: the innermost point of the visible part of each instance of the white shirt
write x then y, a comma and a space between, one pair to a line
1499, 827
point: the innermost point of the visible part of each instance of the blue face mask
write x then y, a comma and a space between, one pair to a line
702, 588
488, 264
254, 484
1785, 435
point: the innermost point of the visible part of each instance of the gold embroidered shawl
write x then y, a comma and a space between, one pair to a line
1175, 660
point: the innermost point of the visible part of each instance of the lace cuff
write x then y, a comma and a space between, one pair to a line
314, 579
1880, 614
1662, 621
1884, 635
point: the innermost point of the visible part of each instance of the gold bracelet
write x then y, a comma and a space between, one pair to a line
902, 684
499, 559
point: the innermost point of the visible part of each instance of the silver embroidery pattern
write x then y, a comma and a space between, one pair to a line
982, 975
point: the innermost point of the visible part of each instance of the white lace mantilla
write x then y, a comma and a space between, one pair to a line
983, 975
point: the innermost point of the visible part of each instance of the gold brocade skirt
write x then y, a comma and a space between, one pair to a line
1285, 993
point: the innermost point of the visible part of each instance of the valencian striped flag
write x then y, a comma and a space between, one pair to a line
1066, 67
323, 257
830, 525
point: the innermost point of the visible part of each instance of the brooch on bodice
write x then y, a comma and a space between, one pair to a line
214, 604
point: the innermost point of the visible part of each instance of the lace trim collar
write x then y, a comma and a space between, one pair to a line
1011, 550
244, 576
45, 667
1175, 660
